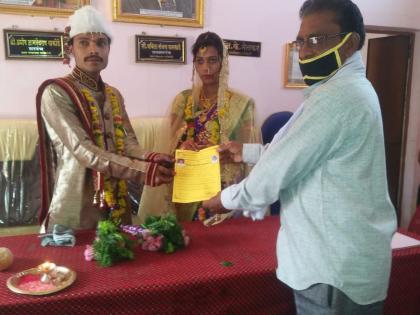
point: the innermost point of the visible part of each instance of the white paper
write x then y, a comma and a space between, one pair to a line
402, 241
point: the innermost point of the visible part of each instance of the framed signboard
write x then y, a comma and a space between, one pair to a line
59, 8
292, 75
41, 45
160, 49
162, 12
243, 48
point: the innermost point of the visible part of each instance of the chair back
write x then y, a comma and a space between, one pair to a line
269, 128
273, 124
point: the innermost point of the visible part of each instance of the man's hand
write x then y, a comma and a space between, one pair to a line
164, 175
165, 160
165, 169
214, 205
231, 152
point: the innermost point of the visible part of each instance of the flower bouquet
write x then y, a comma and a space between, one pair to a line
110, 245
113, 243
159, 233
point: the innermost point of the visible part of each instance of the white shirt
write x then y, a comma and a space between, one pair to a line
327, 167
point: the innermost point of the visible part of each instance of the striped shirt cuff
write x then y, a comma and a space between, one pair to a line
150, 156
150, 179
251, 152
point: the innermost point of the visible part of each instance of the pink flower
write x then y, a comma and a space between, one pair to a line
153, 247
152, 244
89, 253
186, 240
145, 233
145, 246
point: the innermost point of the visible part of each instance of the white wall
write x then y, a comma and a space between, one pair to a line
149, 88
401, 13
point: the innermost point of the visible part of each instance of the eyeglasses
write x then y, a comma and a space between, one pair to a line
315, 41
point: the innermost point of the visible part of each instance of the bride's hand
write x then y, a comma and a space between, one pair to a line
189, 145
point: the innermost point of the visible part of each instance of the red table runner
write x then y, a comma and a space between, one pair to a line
190, 281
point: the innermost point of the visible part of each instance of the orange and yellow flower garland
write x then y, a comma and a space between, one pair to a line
115, 201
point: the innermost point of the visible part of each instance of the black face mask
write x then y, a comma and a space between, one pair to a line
321, 67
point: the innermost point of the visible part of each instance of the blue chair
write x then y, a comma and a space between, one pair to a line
268, 129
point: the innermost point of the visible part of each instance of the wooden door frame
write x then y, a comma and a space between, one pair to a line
406, 114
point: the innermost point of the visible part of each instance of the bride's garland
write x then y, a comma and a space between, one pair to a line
204, 119
110, 197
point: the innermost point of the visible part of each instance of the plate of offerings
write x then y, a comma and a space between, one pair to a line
47, 278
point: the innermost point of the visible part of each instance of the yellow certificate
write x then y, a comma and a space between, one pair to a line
197, 175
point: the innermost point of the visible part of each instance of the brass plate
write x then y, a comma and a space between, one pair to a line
13, 281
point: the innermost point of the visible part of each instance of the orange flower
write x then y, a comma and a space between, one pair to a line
115, 200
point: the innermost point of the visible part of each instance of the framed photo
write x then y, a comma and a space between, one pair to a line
292, 75
20, 44
59, 8
160, 49
162, 12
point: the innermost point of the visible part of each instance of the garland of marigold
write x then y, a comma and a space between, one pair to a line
213, 126
110, 199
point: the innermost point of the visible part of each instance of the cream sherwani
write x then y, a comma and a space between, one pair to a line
73, 153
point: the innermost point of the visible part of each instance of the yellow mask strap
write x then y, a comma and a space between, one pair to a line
319, 78
329, 51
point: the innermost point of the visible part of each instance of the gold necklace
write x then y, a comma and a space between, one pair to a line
207, 102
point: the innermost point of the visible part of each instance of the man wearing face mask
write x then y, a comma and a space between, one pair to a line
327, 166
88, 147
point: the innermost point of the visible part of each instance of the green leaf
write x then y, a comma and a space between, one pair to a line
169, 228
226, 263
169, 248
111, 245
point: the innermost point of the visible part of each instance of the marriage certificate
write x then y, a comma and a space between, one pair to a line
197, 175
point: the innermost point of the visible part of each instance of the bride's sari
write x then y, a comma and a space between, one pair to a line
205, 124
